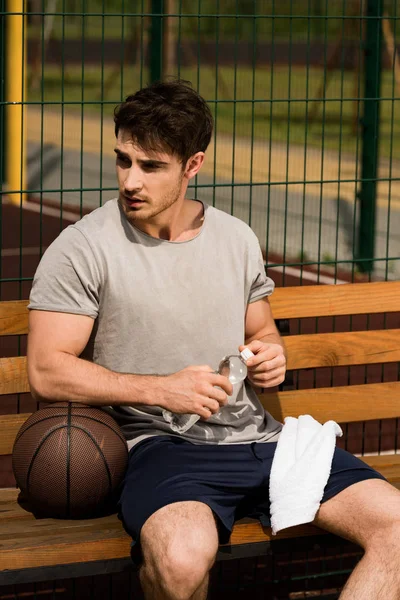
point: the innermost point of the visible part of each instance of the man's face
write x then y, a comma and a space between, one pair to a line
149, 182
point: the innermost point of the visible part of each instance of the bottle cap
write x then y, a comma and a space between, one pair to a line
246, 354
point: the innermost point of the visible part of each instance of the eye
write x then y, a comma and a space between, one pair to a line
150, 167
124, 160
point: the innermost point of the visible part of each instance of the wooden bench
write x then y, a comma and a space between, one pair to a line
46, 549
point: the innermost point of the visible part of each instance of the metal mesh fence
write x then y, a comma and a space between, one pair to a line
306, 113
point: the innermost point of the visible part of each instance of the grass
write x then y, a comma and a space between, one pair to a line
109, 18
267, 104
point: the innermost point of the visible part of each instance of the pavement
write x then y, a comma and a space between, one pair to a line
275, 188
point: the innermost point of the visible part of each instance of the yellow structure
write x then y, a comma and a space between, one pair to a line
15, 146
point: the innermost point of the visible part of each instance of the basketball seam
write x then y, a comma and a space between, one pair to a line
37, 452
104, 460
65, 426
69, 460
121, 437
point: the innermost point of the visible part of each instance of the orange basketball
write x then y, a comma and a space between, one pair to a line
69, 461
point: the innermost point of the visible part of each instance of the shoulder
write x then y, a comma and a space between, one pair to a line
82, 240
92, 230
229, 226
94, 223
233, 233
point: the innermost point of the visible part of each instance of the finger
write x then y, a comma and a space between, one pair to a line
222, 382
218, 395
269, 353
210, 405
265, 379
268, 365
255, 346
266, 375
205, 413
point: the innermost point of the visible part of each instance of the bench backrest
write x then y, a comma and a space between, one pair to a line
343, 404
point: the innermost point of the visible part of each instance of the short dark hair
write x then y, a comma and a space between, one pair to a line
168, 116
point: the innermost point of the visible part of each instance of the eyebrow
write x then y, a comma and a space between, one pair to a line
120, 153
144, 161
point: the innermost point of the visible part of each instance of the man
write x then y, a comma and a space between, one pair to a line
132, 308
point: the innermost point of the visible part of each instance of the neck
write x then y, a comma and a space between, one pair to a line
179, 222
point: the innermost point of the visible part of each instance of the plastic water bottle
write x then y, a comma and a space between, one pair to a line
233, 367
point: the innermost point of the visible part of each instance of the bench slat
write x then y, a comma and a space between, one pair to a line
337, 349
13, 317
13, 375
343, 404
333, 300
32, 547
9, 427
383, 461
287, 303
27, 542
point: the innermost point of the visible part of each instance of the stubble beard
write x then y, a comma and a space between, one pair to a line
150, 211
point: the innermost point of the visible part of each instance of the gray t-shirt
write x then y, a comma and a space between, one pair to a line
160, 306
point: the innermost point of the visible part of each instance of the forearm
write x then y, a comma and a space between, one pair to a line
274, 338
64, 377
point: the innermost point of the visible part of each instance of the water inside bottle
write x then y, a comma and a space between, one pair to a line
234, 368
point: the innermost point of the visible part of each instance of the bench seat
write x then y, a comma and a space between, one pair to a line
26, 543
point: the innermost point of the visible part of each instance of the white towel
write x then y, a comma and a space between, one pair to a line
300, 470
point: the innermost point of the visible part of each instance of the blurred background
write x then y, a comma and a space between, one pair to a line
305, 96
305, 99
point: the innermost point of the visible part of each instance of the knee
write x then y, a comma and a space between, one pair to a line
180, 572
386, 540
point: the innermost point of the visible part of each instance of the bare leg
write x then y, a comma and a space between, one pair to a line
368, 513
152, 591
179, 544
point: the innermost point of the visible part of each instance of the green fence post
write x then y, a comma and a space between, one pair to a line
370, 150
155, 39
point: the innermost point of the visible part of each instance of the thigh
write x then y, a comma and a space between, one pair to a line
346, 470
165, 471
357, 499
361, 512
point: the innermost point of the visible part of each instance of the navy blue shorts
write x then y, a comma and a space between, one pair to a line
233, 480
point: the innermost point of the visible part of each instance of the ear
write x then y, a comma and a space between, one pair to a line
194, 165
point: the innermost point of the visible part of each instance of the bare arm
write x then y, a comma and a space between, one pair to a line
260, 324
56, 373
268, 367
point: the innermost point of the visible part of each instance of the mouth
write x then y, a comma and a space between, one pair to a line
133, 202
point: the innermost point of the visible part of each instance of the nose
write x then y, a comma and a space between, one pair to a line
133, 181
